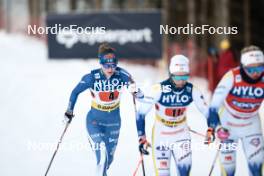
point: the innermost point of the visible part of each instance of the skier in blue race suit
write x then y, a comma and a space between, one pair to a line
103, 120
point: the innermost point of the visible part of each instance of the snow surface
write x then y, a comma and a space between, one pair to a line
34, 95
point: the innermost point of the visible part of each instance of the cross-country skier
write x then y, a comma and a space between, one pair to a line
103, 119
170, 136
236, 102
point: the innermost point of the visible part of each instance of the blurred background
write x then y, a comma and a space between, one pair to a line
205, 50
38, 73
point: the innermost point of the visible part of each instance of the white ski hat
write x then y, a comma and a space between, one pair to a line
179, 63
252, 57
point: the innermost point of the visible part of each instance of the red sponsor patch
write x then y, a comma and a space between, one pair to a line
228, 158
163, 164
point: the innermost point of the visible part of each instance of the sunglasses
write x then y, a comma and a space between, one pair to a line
258, 69
107, 66
180, 77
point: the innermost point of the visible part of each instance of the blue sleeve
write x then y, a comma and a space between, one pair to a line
85, 83
126, 77
213, 119
140, 124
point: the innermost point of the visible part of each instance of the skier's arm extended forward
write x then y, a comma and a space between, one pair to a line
218, 99
85, 83
219, 96
144, 106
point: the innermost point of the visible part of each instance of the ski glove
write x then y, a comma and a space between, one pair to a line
143, 146
222, 133
210, 136
68, 116
136, 92
139, 94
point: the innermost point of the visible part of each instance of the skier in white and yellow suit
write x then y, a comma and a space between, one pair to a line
171, 136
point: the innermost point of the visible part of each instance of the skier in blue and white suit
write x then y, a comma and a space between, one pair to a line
103, 120
170, 134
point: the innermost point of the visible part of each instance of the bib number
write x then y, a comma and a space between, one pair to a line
108, 96
174, 112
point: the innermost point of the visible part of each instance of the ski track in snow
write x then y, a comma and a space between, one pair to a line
34, 95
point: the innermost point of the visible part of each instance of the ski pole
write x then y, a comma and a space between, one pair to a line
195, 132
57, 148
136, 170
216, 155
215, 158
141, 155
143, 165
139, 162
199, 134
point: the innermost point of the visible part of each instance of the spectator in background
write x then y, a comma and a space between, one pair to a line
226, 60
212, 60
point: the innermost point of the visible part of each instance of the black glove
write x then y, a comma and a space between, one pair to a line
210, 136
143, 146
68, 116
